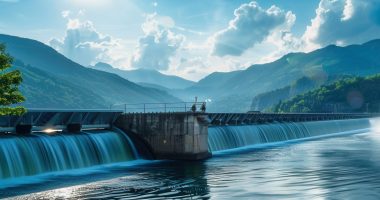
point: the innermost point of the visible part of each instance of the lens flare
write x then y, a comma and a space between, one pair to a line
49, 131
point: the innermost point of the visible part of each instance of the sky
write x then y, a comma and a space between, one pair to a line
189, 38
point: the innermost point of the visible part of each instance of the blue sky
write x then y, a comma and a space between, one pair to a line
189, 38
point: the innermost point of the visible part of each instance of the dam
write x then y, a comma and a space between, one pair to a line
43, 141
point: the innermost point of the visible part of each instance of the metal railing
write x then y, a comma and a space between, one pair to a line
158, 107
60, 118
257, 118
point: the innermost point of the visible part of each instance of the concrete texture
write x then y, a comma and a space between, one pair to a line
176, 136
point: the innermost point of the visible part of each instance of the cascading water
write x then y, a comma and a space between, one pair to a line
230, 137
42, 153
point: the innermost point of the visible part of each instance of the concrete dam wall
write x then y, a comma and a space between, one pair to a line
180, 136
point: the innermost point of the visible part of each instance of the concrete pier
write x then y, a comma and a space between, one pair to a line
173, 136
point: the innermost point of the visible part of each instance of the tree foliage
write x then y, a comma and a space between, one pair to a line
356, 94
9, 83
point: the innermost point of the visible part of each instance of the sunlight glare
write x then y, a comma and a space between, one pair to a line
375, 125
49, 131
89, 3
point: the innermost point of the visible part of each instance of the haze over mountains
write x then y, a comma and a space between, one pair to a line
52, 80
149, 77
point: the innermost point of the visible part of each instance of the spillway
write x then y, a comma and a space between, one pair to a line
41, 153
231, 137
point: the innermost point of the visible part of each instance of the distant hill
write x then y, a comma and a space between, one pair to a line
234, 91
158, 87
207, 87
264, 101
216, 79
108, 88
347, 95
147, 76
44, 90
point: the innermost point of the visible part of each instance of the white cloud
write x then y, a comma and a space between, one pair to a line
254, 35
65, 13
252, 25
159, 44
348, 10
194, 61
85, 45
343, 22
274, 42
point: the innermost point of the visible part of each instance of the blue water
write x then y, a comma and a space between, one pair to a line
345, 166
40, 153
222, 138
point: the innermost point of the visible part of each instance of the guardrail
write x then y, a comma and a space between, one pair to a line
258, 118
58, 119
159, 107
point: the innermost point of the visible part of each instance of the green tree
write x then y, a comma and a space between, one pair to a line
9, 82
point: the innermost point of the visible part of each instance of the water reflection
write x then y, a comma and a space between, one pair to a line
352, 171
161, 180
336, 168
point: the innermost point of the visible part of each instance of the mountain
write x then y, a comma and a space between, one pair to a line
147, 76
109, 87
216, 79
44, 90
228, 92
347, 95
206, 88
233, 91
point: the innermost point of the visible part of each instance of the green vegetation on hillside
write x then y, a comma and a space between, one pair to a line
45, 90
264, 101
9, 83
268, 99
347, 95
